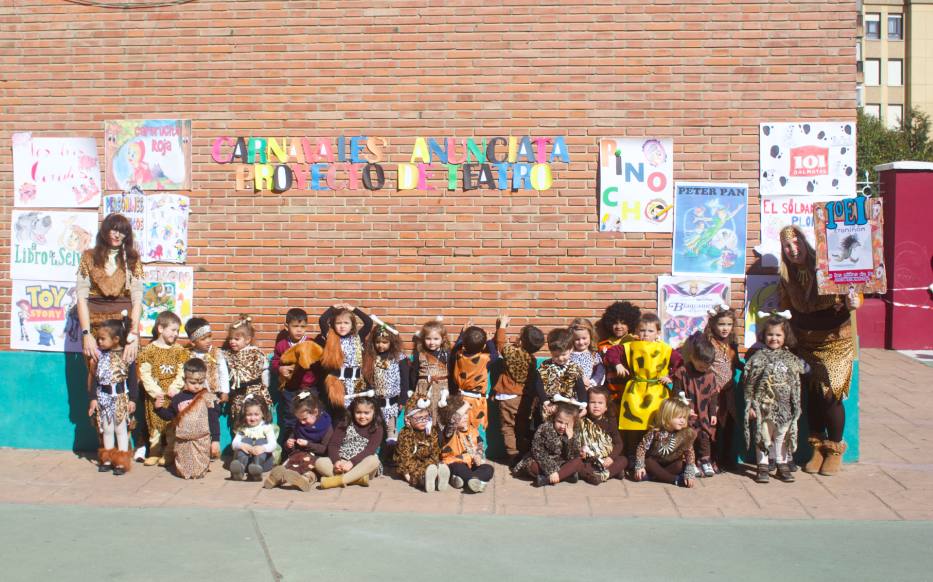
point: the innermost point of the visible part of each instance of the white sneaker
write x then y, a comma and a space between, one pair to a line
707, 469
443, 477
456, 482
430, 479
139, 455
476, 486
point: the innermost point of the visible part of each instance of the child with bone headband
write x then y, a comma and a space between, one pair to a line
418, 453
386, 371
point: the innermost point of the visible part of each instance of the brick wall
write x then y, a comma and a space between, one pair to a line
704, 72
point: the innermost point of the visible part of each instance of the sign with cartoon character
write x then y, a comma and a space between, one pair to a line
48, 244
850, 246
43, 316
807, 158
636, 185
709, 228
166, 288
684, 302
780, 211
55, 172
132, 205
761, 294
165, 238
154, 154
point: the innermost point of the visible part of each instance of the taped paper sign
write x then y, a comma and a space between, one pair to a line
166, 224
709, 230
807, 158
166, 289
850, 246
43, 316
154, 154
683, 302
636, 185
47, 245
780, 211
132, 205
55, 172
761, 294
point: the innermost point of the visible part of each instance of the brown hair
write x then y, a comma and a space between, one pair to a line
165, 318
650, 319
250, 401
129, 258
332, 359
584, 324
559, 339
369, 351
433, 325
310, 403
790, 340
710, 330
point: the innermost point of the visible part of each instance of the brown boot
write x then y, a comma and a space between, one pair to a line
816, 461
362, 481
332, 482
296, 479
275, 477
832, 463
122, 460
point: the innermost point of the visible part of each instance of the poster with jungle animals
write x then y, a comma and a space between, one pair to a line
850, 246
761, 294
47, 244
154, 154
43, 316
683, 302
132, 205
807, 158
710, 228
55, 172
166, 288
780, 211
166, 229
636, 184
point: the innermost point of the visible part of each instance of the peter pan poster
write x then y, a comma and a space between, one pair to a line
710, 228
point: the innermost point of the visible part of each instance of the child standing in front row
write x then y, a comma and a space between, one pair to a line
248, 367
161, 371
616, 327
585, 354
463, 450
720, 331
255, 440
343, 353
772, 398
696, 381
418, 454
113, 396
193, 412
351, 453
514, 389
666, 451
430, 368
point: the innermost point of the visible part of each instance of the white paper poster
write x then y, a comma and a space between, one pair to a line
42, 316
132, 205
166, 225
780, 211
807, 158
166, 288
55, 172
47, 245
683, 302
636, 185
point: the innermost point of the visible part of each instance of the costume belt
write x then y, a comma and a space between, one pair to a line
244, 385
646, 380
472, 394
348, 373
113, 389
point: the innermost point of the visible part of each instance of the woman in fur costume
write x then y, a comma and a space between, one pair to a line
343, 352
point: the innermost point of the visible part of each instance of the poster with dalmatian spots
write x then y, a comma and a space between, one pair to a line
807, 158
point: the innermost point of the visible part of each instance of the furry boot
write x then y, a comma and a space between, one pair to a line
832, 463
362, 481
104, 459
332, 482
296, 479
816, 461
275, 477
122, 460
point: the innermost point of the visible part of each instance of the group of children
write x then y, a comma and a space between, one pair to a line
612, 399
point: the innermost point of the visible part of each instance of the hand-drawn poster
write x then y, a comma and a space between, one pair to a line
43, 316
166, 226
132, 205
780, 211
636, 185
761, 294
850, 246
683, 302
709, 228
47, 245
166, 289
154, 154
807, 158
55, 172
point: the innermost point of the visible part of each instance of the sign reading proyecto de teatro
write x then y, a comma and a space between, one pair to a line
361, 162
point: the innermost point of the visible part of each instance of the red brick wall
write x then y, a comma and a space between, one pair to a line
704, 72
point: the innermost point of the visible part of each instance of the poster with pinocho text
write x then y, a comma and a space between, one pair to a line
55, 172
850, 246
780, 211
710, 228
683, 302
166, 288
153, 154
43, 316
761, 294
807, 158
636, 184
47, 244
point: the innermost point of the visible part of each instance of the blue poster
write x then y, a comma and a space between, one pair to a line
709, 228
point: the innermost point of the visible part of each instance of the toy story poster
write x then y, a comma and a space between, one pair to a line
48, 244
761, 294
636, 185
55, 172
806, 158
850, 246
710, 228
683, 302
166, 288
153, 154
43, 316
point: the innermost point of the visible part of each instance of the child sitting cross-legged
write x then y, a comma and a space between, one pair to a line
666, 451
555, 453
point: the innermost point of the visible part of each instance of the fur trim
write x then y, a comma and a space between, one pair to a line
332, 358
815, 441
204, 393
105, 456
834, 448
335, 390
122, 459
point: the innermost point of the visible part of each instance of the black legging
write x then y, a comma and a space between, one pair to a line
826, 414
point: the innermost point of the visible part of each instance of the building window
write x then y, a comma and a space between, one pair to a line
895, 27
873, 26
895, 72
872, 72
894, 116
873, 109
